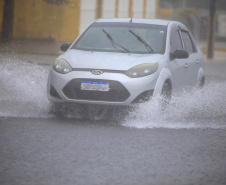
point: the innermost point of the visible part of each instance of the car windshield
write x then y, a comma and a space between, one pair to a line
123, 37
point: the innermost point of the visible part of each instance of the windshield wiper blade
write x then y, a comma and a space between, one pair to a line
149, 48
114, 43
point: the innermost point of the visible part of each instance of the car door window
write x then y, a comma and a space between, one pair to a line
189, 45
175, 40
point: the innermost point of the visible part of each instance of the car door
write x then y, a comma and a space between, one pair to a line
179, 67
193, 61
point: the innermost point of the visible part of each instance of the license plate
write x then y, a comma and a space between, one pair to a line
94, 86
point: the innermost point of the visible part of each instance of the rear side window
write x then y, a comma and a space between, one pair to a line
188, 44
175, 40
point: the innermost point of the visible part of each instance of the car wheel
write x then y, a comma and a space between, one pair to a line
65, 110
165, 95
201, 83
58, 110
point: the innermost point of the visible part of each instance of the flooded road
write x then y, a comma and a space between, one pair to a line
186, 144
24, 86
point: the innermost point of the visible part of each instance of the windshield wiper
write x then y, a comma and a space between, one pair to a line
114, 43
149, 48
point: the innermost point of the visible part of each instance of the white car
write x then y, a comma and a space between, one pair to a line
126, 61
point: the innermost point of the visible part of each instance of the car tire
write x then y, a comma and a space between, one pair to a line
65, 110
58, 110
201, 83
165, 95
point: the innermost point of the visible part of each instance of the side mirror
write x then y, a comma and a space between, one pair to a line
64, 47
179, 54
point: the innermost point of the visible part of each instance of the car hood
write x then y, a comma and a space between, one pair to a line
107, 60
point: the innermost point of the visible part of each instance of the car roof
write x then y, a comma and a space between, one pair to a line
136, 20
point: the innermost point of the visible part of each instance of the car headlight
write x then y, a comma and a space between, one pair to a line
142, 70
61, 66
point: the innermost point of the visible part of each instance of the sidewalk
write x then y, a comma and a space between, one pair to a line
43, 47
40, 51
219, 51
44, 52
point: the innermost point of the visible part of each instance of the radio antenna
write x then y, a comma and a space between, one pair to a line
131, 18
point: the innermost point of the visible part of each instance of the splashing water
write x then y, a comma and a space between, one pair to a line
23, 94
197, 108
23, 88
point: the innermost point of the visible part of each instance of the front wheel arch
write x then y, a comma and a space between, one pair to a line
164, 76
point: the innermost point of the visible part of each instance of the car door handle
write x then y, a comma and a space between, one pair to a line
186, 65
197, 61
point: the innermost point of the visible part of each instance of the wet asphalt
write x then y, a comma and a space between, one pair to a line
53, 151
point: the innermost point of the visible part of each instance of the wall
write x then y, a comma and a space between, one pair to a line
222, 26
116, 8
37, 19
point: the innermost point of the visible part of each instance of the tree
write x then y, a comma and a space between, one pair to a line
7, 25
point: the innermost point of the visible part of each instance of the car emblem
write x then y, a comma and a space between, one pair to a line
97, 72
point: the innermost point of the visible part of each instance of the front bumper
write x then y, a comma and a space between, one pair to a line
123, 90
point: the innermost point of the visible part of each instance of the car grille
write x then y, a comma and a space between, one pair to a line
117, 92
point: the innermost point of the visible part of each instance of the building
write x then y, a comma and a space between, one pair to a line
63, 20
